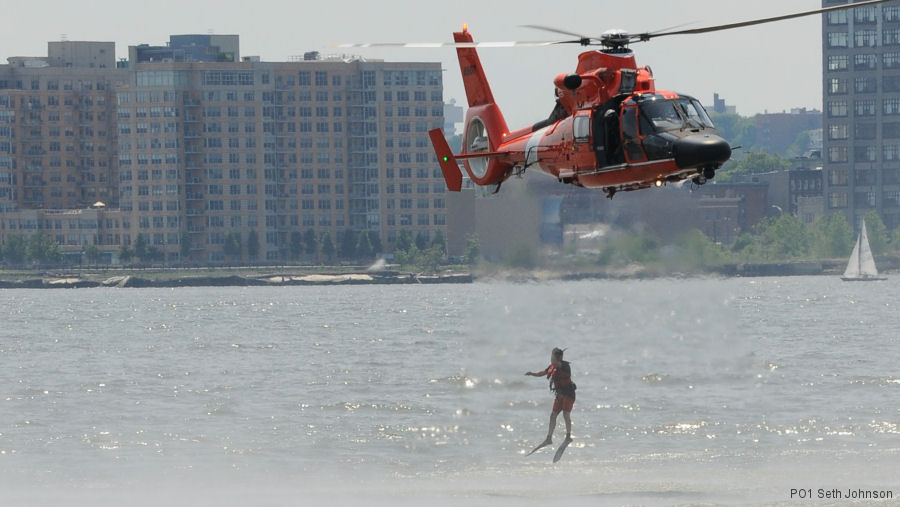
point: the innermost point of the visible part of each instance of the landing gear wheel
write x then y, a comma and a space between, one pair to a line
699, 180
709, 173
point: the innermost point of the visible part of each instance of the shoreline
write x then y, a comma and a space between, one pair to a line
234, 280
258, 278
336, 275
76, 281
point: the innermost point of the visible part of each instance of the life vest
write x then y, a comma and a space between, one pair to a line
561, 379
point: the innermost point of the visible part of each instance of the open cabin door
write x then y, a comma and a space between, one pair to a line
631, 140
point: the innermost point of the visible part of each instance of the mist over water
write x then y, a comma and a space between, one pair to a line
710, 390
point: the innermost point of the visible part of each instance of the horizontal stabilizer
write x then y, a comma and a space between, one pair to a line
447, 161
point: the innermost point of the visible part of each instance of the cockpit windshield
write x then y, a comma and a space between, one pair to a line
673, 114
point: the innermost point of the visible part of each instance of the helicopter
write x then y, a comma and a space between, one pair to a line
611, 127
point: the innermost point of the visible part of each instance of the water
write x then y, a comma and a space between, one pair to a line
689, 391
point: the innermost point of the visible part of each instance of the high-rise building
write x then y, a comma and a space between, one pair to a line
189, 48
196, 155
861, 97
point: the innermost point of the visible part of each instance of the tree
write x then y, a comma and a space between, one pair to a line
155, 254
439, 241
364, 249
753, 163
801, 144
140, 247
429, 260
327, 247
253, 245
43, 249
421, 241
375, 240
15, 249
91, 254
232, 246
895, 240
347, 250
185, 246
296, 245
636, 247
737, 130
404, 241
407, 257
698, 251
311, 245
521, 256
473, 248
831, 237
125, 253
783, 237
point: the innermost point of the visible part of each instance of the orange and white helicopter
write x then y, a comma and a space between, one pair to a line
611, 127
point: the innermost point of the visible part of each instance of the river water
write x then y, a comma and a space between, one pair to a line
730, 391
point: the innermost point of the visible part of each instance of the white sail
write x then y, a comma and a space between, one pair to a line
852, 270
866, 261
861, 265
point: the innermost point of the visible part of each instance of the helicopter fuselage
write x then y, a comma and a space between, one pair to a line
610, 129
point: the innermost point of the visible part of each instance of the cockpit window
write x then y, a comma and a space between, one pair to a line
673, 114
696, 113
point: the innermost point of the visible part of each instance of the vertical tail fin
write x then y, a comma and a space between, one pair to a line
478, 91
485, 126
446, 160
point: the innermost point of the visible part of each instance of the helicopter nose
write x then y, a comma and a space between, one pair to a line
701, 151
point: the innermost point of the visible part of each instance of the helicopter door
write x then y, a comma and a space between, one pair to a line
583, 157
630, 137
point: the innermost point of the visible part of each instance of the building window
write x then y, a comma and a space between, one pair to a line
891, 106
837, 108
837, 200
837, 39
891, 60
891, 83
865, 107
865, 130
864, 154
865, 62
838, 62
837, 154
865, 38
837, 131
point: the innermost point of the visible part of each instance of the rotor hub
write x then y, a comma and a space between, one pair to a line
615, 39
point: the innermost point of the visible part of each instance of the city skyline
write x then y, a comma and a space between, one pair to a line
738, 64
186, 153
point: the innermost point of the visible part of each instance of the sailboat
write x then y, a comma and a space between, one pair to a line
861, 266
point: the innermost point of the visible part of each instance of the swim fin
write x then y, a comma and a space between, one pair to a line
545, 443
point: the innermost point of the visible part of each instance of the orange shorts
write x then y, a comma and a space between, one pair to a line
563, 403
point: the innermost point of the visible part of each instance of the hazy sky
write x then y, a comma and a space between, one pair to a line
771, 67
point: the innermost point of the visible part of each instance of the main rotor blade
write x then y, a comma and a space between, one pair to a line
506, 44
584, 40
648, 36
556, 30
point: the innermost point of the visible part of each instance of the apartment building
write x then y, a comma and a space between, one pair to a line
190, 153
861, 97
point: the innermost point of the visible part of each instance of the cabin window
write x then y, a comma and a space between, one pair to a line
629, 123
582, 129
